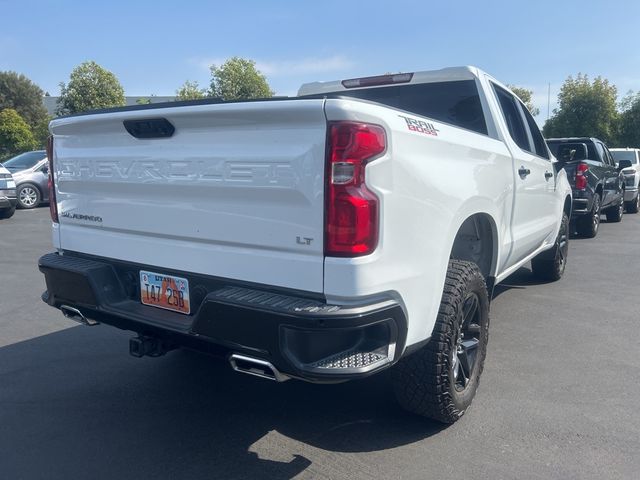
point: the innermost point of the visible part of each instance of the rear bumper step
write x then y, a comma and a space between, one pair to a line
265, 332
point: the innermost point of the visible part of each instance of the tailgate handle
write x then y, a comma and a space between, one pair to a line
149, 128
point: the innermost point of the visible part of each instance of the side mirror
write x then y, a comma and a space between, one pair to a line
622, 164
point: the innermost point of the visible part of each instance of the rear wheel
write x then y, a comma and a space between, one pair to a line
550, 265
440, 380
587, 225
28, 196
614, 214
634, 205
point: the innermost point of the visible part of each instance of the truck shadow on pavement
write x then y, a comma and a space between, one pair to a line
520, 279
73, 404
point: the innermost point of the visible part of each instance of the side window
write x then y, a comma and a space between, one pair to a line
538, 141
602, 157
610, 159
512, 117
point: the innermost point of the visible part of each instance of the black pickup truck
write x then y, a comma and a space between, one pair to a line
597, 183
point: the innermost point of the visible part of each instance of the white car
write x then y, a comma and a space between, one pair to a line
358, 227
631, 172
7, 193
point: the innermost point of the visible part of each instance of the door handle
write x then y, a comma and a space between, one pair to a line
548, 175
523, 172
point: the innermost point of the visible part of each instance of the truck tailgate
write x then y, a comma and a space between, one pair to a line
236, 192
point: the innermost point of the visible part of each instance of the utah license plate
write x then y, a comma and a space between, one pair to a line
165, 291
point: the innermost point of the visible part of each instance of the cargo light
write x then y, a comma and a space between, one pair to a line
351, 216
53, 205
581, 178
377, 80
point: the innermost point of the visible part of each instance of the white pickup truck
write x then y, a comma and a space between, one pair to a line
357, 227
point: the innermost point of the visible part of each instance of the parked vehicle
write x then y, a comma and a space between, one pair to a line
7, 193
628, 162
24, 161
598, 186
31, 172
328, 237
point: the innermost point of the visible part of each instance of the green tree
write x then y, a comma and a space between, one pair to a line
15, 134
41, 131
238, 79
25, 97
629, 131
190, 91
90, 87
525, 95
143, 101
585, 108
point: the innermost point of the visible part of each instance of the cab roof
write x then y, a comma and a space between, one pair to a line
429, 76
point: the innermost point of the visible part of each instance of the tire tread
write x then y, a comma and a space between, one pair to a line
421, 380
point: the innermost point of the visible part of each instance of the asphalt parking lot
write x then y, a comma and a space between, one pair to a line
558, 397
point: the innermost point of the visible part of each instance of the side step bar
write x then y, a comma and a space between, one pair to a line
256, 367
77, 316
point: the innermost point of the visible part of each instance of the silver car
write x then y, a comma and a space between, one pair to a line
7, 193
31, 173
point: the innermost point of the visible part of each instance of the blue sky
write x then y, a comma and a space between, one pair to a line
154, 46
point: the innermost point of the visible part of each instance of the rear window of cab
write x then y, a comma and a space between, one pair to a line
454, 102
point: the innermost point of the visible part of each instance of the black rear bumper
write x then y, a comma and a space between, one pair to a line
297, 332
582, 203
8, 202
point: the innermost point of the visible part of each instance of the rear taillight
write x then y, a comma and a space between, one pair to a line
351, 227
581, 178
53, 205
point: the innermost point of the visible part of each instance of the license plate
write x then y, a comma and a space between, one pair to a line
165, 291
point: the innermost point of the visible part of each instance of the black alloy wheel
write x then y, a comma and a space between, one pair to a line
615, 213
550, 265
463, 356
634, 205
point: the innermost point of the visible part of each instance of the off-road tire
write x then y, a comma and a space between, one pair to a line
550, 265
7, 212
634, 205
614, 214
587, 225
423, 381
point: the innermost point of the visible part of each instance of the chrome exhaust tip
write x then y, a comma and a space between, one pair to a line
76, 315
256, 367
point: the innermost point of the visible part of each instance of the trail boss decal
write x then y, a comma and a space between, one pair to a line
420, 126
